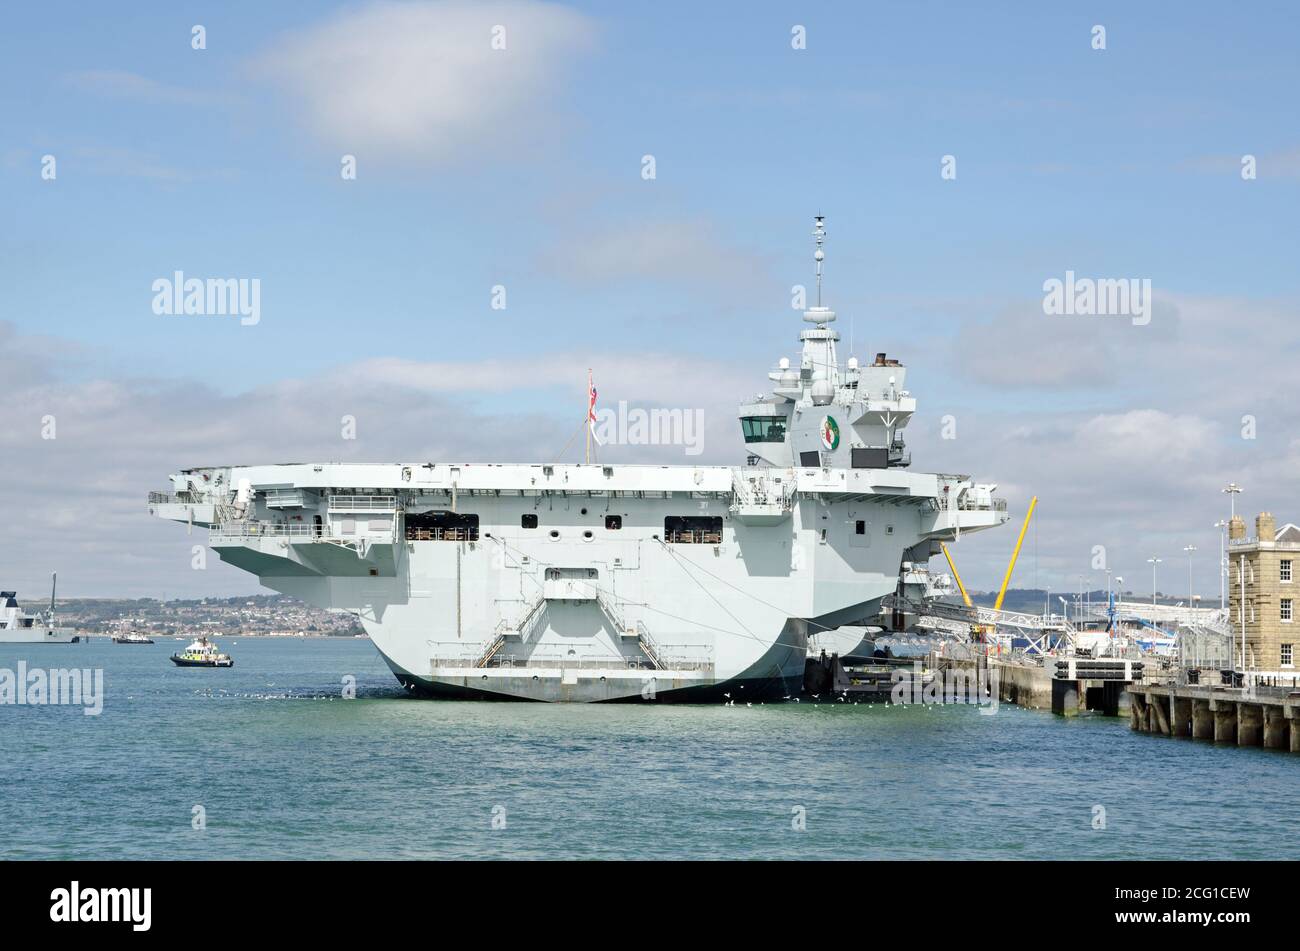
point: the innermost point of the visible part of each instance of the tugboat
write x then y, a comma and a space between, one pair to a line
131, 638
202, 653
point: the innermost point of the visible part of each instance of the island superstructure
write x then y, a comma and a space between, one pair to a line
606, 582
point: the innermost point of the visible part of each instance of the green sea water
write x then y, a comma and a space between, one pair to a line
282, 766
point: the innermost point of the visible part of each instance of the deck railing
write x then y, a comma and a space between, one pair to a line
267, 529
441, 534
181, 498
689, 537
362, 503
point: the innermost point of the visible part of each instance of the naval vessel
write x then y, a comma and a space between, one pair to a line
612, 582
19, 627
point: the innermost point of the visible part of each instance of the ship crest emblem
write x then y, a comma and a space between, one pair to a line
830, 434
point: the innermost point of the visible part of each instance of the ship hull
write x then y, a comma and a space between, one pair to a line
38, 636
778, 675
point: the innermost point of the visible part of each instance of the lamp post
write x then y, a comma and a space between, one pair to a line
1232, 490
1189, 549
1153, 561
1222, 526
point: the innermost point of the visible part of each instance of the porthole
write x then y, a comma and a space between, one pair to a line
555, 535
586, 536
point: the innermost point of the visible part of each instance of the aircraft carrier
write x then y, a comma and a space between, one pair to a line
611, 582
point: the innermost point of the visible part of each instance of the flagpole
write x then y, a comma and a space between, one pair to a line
588, 415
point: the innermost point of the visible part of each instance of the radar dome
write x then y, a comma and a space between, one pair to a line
822, 392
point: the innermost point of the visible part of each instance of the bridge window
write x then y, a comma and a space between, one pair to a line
763, 428
441, 527
693, 529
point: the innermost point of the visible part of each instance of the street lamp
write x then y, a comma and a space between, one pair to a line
1189, 549
1233, 490
1153, 561
1222, 526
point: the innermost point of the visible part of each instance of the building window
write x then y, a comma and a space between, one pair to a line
528, 521
763, 428
1286, 610
613, 522
1286, 656
1286, 571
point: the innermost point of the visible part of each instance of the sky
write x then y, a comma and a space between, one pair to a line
524, 169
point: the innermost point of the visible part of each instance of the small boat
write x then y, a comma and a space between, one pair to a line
202, 653
131, 638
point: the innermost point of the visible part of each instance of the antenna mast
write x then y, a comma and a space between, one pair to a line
819, 232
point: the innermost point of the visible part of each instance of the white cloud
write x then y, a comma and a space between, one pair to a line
408, 81
1124, 438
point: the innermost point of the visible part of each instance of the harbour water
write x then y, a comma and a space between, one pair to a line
284, 767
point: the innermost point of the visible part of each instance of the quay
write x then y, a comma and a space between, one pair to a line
1243, 716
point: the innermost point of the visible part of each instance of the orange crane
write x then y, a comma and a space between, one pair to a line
1006, 579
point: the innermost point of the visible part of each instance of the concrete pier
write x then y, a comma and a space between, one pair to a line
1250, 725
1275, 729
1225, 720
1180, 715
1268, 719
1202, 719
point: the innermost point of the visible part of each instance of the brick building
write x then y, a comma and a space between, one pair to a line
1269, 566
